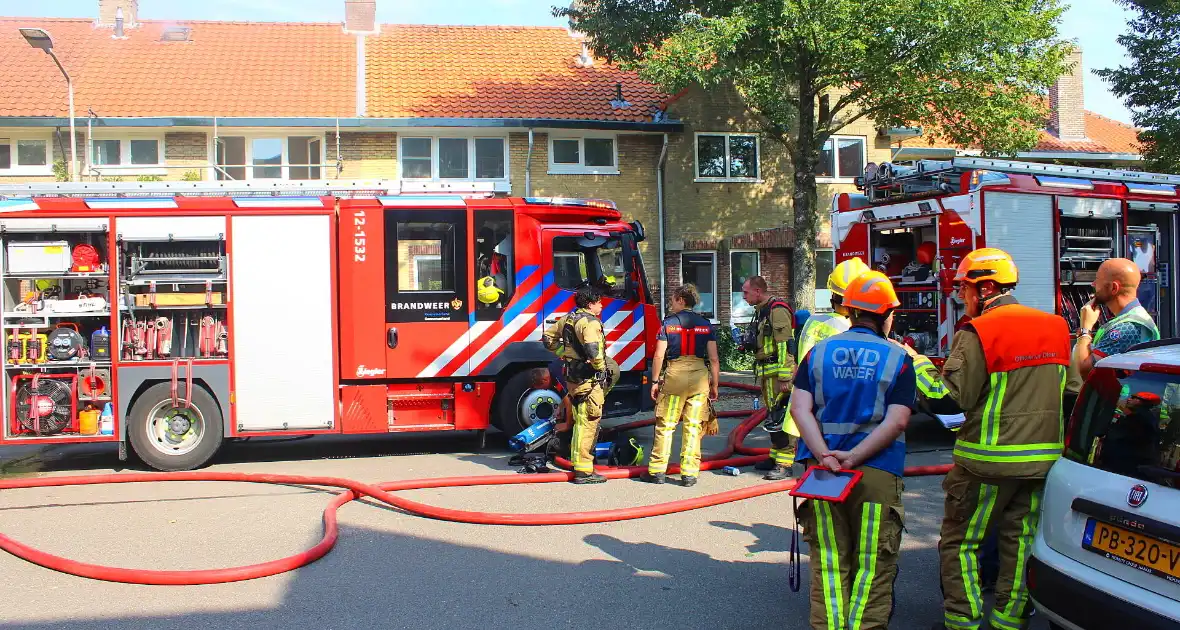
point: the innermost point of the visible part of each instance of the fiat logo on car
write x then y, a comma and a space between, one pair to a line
1137, 496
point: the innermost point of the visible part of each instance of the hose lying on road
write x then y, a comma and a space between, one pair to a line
383, 492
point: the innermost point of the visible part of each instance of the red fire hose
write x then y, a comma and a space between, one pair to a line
383, 492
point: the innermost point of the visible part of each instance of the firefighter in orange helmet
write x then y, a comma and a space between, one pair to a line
1006, 370
852, 400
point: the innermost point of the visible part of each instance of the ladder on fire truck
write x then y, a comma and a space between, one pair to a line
282, 188
895, 182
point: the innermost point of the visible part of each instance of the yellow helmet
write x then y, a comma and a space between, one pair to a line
844, 274
988, 263
488, 292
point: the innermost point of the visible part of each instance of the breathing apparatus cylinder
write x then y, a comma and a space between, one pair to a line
533, 436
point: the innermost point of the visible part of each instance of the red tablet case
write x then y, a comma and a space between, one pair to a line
856, 475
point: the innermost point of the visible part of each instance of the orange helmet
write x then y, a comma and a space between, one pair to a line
871, 291
987, 263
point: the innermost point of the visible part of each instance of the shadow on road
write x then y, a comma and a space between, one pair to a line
376, 579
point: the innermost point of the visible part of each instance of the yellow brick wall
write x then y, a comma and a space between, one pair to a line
366, 155
717, 210
633, 189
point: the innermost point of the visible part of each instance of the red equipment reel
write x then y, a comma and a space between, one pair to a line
85, 258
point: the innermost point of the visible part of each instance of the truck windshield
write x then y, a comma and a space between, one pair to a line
1126, 423
600, 261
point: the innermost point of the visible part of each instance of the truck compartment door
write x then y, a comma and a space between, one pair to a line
283, 320
1022, 225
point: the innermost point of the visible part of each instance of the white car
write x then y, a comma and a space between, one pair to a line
1107, 554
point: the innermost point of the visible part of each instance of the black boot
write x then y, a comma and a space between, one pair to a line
766, 464
778, 474
688, 481
656, 478
581, 478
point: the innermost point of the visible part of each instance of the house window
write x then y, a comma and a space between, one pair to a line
24, 156
742, 265
727, 157
700, 269
450, 158
122, 156
268, 157
587, 155
843, 157
825, 262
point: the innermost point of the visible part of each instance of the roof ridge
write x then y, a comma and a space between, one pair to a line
88, 20
1112, 120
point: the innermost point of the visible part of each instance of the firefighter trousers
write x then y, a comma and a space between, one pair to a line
976, 506
782, 443
586, 400
853, 548
684, 396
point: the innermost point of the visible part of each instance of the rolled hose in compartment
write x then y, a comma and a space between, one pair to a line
734, 454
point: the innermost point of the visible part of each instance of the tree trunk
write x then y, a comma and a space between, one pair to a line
804, 196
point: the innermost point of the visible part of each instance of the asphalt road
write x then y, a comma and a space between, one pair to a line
719, 567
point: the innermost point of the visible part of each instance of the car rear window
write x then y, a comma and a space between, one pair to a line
1128, 423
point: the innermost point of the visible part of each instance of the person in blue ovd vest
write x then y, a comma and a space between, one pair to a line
853, 395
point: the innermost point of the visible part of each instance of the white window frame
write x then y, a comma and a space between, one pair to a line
841, 178
716, 294
823, 297
434, 136
12, 138
125, 167
696, 161
758, 256
580, 168
281, 134
421, 258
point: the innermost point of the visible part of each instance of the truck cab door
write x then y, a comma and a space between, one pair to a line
609, 261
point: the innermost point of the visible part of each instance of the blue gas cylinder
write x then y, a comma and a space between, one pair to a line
530, 437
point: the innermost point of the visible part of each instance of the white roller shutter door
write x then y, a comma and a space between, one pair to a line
1022, 225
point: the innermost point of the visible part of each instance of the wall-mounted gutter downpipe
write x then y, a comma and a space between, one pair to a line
528, 168
660, 220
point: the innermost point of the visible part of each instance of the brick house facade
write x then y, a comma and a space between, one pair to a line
527, 109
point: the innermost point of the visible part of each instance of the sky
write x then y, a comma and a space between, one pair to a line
1094, 24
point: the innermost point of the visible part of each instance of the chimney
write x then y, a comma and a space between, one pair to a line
360, 16
107, 10
1067, 117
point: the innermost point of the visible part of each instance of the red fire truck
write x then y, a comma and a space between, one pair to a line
174, 316
915, 222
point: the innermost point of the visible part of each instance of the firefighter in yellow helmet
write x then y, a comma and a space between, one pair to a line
852, 400
1007, 371
819, 326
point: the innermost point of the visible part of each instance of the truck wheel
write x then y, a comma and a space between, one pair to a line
519, 404
172, 437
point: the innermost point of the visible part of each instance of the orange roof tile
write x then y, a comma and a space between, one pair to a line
1103, 135
227, 69
496, 72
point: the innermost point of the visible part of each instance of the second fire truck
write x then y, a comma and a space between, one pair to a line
916, 222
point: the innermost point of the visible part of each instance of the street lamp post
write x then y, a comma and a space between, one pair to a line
39, 38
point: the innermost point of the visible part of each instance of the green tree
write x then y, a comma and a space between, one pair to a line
1150, 85
976, 70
